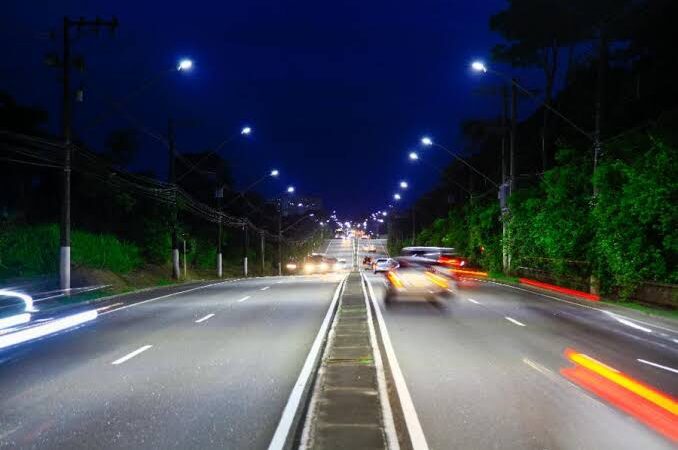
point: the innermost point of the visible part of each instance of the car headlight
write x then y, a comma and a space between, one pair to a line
291, 266
309, 267
324, 266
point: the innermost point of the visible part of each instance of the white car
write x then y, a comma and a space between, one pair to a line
371, 249
384, 265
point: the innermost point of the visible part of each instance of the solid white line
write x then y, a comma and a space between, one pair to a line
278, 282
650, 363
104, 308
580, 305
414, 429
628, 323
264, 288
243, 299
387, 413
514, 321
287, 418
202, 319
162, 296
473, 301
131, 355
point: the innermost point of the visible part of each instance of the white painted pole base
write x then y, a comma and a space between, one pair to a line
65, 268
245, 265
220, 267
176, 270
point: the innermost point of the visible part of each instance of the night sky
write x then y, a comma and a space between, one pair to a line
336, 92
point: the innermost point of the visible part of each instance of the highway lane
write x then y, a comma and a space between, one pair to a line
210, 368
483, 370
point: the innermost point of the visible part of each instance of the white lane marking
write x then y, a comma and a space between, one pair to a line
417, 438
650, 363
387, 413
283, 429
278, 282
162, 296
202, 319
580, 305
514, 321
675, 340
264, 288
473, 301
538, 367
628, 323
131, 355
104, 308
243, 299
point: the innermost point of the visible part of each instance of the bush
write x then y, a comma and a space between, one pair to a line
29, 250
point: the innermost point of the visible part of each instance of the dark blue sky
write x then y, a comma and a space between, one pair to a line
337, 92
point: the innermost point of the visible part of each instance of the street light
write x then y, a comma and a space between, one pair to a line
404, 185
275, 172
413, 156
185, 64
396, 196
290, 189
478, 66
246, 131
426, 141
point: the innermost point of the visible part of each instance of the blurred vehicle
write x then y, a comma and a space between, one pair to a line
364, 236
416, 279
291, 266
371, 248
384, 265
15, 309
341, 264
367, 261
319, 263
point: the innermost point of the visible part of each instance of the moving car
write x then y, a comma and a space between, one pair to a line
416, 280
319, 263
341, 264
384, 265
371, 248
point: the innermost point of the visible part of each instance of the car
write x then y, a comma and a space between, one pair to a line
371, 248
384, 265
341, 265
415, 279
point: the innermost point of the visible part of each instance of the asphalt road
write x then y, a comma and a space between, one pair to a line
209, 368
483, 369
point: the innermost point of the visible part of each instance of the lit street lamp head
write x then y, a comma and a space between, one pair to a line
478, 66
290, 189
426, 141
396, 196
275, 173
246, 131
185, 64
404, 185
414, 156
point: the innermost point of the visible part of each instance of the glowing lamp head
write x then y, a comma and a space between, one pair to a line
396, 196
246, 131
404, 185
185, 64
275, 173
478, 66
290, 189
426, 141
414, 156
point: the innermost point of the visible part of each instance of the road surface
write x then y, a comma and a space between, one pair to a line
483, 369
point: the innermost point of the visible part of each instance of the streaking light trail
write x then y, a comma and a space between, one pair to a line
46, 329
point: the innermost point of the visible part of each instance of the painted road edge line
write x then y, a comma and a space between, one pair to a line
163, 296
131, 355
202, 319
386, 412
650, 363
512, 320
264, 288
414, 429
661, 327
473, 301
284, 427
243, 299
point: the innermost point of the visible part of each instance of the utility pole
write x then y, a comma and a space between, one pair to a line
172, 179
512, 165
263, 249
219, 194
280, 237
245, 248
66, 125
504, 205
185, 268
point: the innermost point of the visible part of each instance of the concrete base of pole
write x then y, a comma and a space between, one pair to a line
244, 265
176, 270
65, 268
279, 269
220, 267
